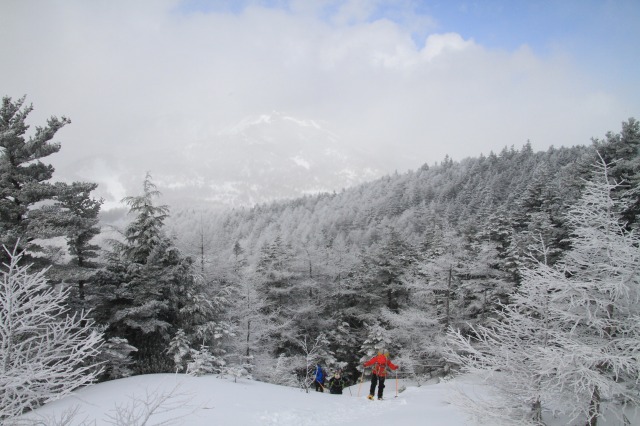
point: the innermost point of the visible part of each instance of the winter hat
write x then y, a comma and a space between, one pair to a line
386, 353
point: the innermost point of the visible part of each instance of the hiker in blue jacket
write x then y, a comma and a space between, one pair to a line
319, 379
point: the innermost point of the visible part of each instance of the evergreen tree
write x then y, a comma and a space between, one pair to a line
77, 215
23, 176
622, 152
598, 292
145, 285
571, 336
510, 352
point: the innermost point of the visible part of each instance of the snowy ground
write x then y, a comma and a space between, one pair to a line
210, 401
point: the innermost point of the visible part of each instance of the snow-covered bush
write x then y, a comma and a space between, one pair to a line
202, 362
179, 349
44, 352
115, 358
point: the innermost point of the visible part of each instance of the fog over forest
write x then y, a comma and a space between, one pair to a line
507, 264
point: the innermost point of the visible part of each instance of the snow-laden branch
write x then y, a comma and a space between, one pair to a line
45, 352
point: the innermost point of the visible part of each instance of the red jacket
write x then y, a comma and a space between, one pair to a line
380, 367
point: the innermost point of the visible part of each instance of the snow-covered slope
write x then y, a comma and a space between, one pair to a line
208, 400
212, 401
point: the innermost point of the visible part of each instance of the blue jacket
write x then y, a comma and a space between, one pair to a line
319, 374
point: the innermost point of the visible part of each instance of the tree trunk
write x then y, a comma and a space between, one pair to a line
536, 412
202, 252
594, 408
446, 306
248, 335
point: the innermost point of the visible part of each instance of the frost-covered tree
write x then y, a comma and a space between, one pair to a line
203, 362
146, 285
45, 353
179, 349
378, 339
115, 358
598, 294
23, 176
510, 353
314, 352
447, 259
571, 337
30, 204
75, 213
256, 321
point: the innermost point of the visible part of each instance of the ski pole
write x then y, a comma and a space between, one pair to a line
396, 383
361, 380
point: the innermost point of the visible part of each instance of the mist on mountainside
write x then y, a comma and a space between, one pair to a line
257, 160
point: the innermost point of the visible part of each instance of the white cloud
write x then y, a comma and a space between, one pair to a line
138, 77
438, 44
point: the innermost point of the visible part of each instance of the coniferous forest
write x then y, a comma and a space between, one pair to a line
518, 265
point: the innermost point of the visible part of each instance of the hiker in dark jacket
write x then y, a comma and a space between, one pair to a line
336, 383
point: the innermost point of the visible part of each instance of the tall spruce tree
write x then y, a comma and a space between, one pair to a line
145, 285
31, 206
23, 176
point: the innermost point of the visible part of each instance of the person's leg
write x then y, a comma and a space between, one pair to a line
374, 382
381, 387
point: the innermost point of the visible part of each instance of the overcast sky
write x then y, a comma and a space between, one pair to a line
408, 80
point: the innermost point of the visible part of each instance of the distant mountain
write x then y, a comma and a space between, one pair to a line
259, 159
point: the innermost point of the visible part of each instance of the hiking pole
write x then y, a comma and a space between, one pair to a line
396, 383
361, 380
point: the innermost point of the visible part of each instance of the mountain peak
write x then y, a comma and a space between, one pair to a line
277, 119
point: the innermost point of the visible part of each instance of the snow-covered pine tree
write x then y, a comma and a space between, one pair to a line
256, 320
571, 334
179, 349
78, 218
378, 339
597, 294
25, 177
26, 210
115, 358
202, 362
44, 352
446, 260
145, 284
509, 353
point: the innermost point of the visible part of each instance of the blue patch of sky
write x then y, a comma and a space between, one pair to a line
234, 7
188, 7
600, 36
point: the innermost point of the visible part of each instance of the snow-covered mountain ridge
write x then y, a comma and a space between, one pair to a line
258, 159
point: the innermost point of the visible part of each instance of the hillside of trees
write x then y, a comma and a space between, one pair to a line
416, 263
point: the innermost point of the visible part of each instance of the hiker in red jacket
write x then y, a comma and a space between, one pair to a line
380, 363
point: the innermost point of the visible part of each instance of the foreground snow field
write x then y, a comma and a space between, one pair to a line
210, 401
199, 401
